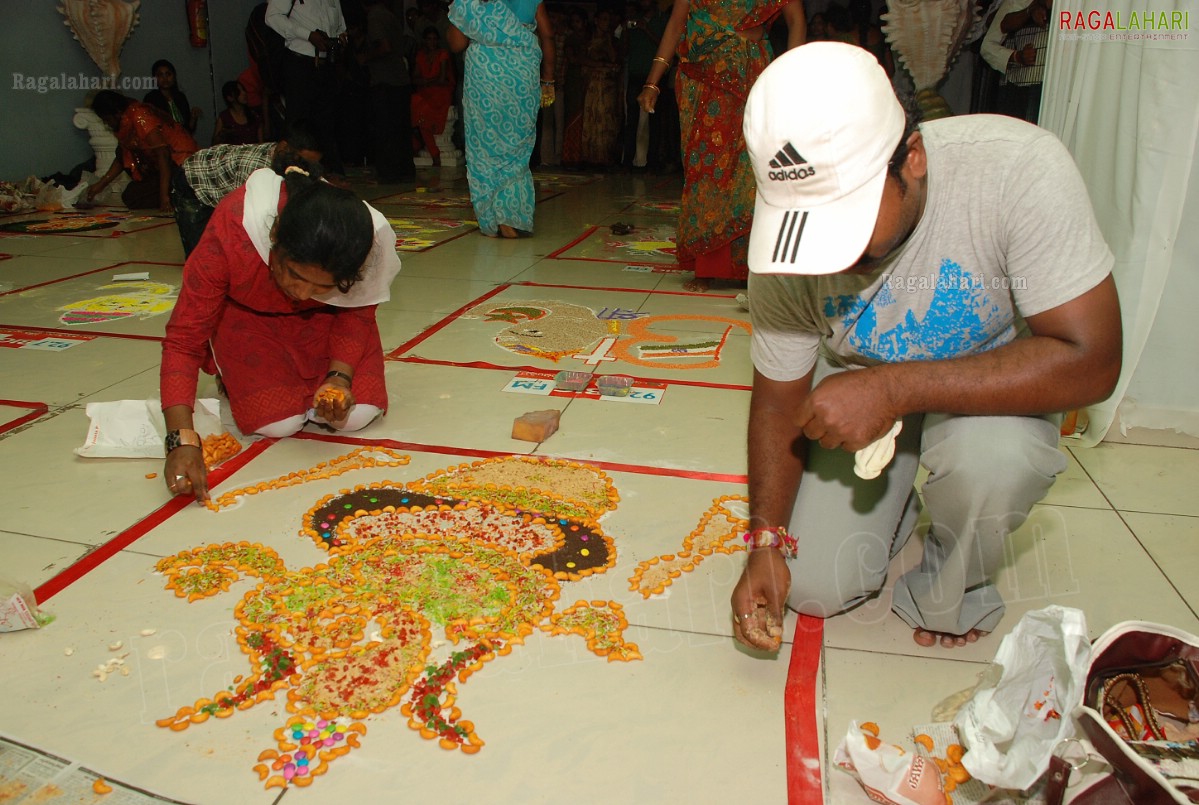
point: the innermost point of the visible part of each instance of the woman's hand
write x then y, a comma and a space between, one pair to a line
648, 97
185, 472
113, 169
333, 401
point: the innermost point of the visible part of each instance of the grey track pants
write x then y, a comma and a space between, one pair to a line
985, 474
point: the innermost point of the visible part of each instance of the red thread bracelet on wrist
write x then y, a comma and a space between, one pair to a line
773, 537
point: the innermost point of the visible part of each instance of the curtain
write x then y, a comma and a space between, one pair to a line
1126, 104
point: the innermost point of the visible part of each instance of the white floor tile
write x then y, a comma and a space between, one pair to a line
1145, 479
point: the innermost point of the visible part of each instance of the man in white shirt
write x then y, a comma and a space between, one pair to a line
1016, 45
315, 34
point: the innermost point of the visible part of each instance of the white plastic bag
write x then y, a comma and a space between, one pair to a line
1011, 727
135, 428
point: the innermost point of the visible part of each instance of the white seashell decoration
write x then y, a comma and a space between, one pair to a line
101, 26
927, 35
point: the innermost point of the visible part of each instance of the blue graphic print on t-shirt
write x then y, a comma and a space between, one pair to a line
962, 317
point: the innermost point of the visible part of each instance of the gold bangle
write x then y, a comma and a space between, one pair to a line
654, 87
662, 61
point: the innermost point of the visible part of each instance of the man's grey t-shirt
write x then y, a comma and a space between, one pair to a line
1007, 232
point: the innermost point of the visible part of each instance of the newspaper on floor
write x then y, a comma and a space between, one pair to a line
28, 775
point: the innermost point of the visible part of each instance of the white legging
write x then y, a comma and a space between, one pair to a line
360, 416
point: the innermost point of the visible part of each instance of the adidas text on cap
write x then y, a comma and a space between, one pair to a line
821, 125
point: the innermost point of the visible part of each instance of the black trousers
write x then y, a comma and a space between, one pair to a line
310, 93
391, 126
191, 214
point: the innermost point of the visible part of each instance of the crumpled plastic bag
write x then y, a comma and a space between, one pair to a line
18, 608
1021, 711
888, 772
33, 194
136, 429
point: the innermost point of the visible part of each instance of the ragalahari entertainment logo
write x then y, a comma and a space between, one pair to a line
1122, 26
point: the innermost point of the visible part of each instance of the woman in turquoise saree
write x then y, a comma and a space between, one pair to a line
508, 44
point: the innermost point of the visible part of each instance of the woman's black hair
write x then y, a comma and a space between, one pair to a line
321, 224
110, 104
230, 89
164, 63
429, 29
912, 116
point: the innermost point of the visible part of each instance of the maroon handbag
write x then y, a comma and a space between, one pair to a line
1140, 707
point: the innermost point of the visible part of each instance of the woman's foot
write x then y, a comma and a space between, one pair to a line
924, 637
697, 284
507, 232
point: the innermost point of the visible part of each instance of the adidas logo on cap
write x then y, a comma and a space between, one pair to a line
789, 158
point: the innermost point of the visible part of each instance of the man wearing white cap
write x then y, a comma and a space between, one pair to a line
948, 284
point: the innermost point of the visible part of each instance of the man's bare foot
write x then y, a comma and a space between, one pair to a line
924, 637
697, 284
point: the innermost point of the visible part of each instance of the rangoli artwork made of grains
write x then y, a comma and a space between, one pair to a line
476, 553
562, 330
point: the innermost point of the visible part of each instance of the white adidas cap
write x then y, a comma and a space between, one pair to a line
821, 124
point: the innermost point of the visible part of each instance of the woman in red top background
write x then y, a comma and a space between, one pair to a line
152, 147
433, 91
278, 301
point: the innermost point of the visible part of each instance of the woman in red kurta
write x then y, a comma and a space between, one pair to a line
278, 301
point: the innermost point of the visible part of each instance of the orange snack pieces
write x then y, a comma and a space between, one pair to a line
356, 459
151, 475
219, 447
332, 395
101, 787
719, 531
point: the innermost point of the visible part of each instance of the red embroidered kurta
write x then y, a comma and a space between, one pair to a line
271, 353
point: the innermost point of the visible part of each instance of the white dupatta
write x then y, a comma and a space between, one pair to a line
382, 263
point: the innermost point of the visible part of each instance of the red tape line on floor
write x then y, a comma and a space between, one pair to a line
36, 410
501, 368
586, 234
639, 469
625, 290
804, 784
24, 288
94, 333
103, 553
441, 325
